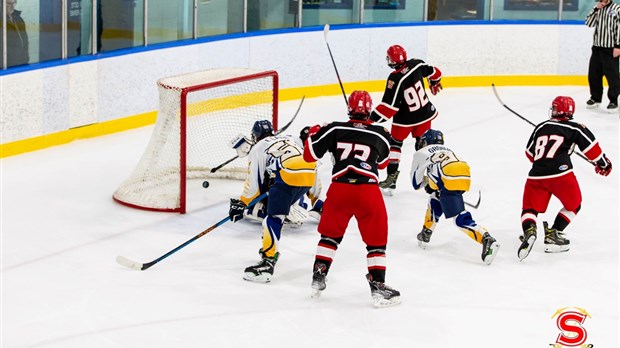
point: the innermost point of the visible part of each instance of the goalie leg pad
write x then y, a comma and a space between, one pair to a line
257, 212
297, 215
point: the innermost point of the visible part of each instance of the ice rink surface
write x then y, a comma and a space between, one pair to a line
61, 233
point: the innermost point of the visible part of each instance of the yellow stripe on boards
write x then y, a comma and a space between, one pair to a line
148, 118
84, 132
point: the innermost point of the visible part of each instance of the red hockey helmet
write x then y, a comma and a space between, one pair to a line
563, 107
396, 56
360, 105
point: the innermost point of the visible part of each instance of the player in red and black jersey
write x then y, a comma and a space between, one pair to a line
359, 150
405, 102
549, 149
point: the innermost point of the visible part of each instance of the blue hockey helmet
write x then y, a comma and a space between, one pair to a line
261, 129
430, 137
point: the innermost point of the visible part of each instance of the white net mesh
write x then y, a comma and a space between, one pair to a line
221, 104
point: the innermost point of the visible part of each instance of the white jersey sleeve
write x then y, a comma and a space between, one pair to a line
257, 160
419, 167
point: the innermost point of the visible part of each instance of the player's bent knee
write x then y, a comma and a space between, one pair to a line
464, 219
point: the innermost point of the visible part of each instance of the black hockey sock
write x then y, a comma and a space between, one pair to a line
560, 223
377, 272
526, 225
324, 255
392, 168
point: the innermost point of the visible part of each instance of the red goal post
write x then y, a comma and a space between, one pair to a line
199, 114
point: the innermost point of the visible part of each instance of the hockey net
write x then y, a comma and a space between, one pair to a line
199, 114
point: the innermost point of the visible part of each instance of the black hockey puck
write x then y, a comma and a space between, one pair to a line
205, 184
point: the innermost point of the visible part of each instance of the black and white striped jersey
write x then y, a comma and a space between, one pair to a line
606, 24
358, 150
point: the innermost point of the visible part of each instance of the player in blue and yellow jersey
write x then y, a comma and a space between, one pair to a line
445, 176
276, 165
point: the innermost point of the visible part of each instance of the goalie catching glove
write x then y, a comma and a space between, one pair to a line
237, 207
242, 145
435, 86
603, 166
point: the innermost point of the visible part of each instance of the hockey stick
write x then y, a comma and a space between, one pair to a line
475, 206
525, 119
213, 170
325, 31
123, 261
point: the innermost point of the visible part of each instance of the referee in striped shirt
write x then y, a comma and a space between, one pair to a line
605, 19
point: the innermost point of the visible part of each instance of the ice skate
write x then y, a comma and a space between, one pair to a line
555, 242
319, 279
424, 237
592, 104
389, 184
263, 270
490, 247
382, 295
527, 242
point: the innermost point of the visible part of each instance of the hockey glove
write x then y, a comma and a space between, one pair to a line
241, 144
303, 134
313, 130
429, 189
603, 166
435, 86
237, 207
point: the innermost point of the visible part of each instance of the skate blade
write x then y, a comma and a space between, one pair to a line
490, 257
388, 192
316, 293
261, 278
526, 247
380, 302
552, 248
422, 245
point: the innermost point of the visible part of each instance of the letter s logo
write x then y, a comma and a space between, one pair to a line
573, 334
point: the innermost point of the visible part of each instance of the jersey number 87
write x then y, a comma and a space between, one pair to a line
541, 146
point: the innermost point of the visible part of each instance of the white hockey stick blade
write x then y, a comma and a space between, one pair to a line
325, 31
123, 261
